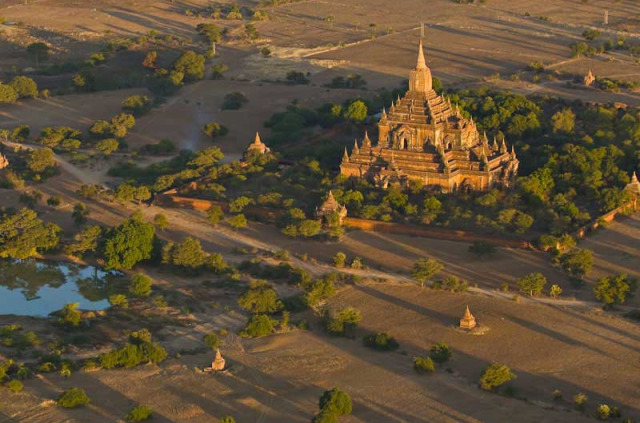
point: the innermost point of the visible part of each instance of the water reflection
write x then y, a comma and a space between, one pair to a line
36, 288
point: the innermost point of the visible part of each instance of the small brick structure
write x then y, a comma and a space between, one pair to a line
589, 78
218, 363
468, 321
4, 162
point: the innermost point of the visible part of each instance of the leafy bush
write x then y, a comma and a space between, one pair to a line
25, 87
73, 398
381, 341
532, 284
260, 298
336, 401
423, 365
234, 101
343, 321
137, 104
15, 385
141, 285
212, 340
139, 413
496, 375
440, 352
258, 325
139, 349
70, 317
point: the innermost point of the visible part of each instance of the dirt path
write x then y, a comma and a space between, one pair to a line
191, 223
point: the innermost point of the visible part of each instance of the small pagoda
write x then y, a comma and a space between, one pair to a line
467, 322
258, 146
329, 207
633, 187
4, 162
589, 78
218, 363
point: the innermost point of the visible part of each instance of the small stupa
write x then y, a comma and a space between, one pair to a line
257, 145
468, 321
633, 187
331, 206
4, 162
589, 78
218, 362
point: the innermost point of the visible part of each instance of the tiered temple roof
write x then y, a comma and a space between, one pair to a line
424, 137
468, 321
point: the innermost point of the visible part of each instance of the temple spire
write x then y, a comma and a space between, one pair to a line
634, 178
257, 141
513, 151
345, 156
356, 149
366, 142
422, 64
503, 147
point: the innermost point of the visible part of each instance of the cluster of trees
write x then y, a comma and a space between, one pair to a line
19, 87
333, 404
139, 349
23, 234
262, 302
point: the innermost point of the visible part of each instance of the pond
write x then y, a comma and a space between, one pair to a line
37, 288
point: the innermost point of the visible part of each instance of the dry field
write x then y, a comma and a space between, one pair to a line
280, 377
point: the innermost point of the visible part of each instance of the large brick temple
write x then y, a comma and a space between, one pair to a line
426, 139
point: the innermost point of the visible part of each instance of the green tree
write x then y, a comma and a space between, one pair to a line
577, 262
431, 208
496, 375
191, 65
260, 298
423, 365
140, 285
614, 289
24, 86
425, 269
356, 112
251, 31
238, 204
214, 130
7, 94
38, 51
40, 160
139, 413
238, 221
85, 241
211, 32
344, 320
555, 291
161, 221
188, 253
258, 325
129, 243
532, 284
80, 213
227, 419
137, 104
70, 316
73, 398
23, 234
336, 401
339, 259
215, 214
563, 121
440, 352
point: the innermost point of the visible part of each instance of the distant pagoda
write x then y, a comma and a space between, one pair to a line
467, 321
258, 146
425, 138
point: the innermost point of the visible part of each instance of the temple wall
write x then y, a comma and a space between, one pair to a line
631, 206
451, 235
